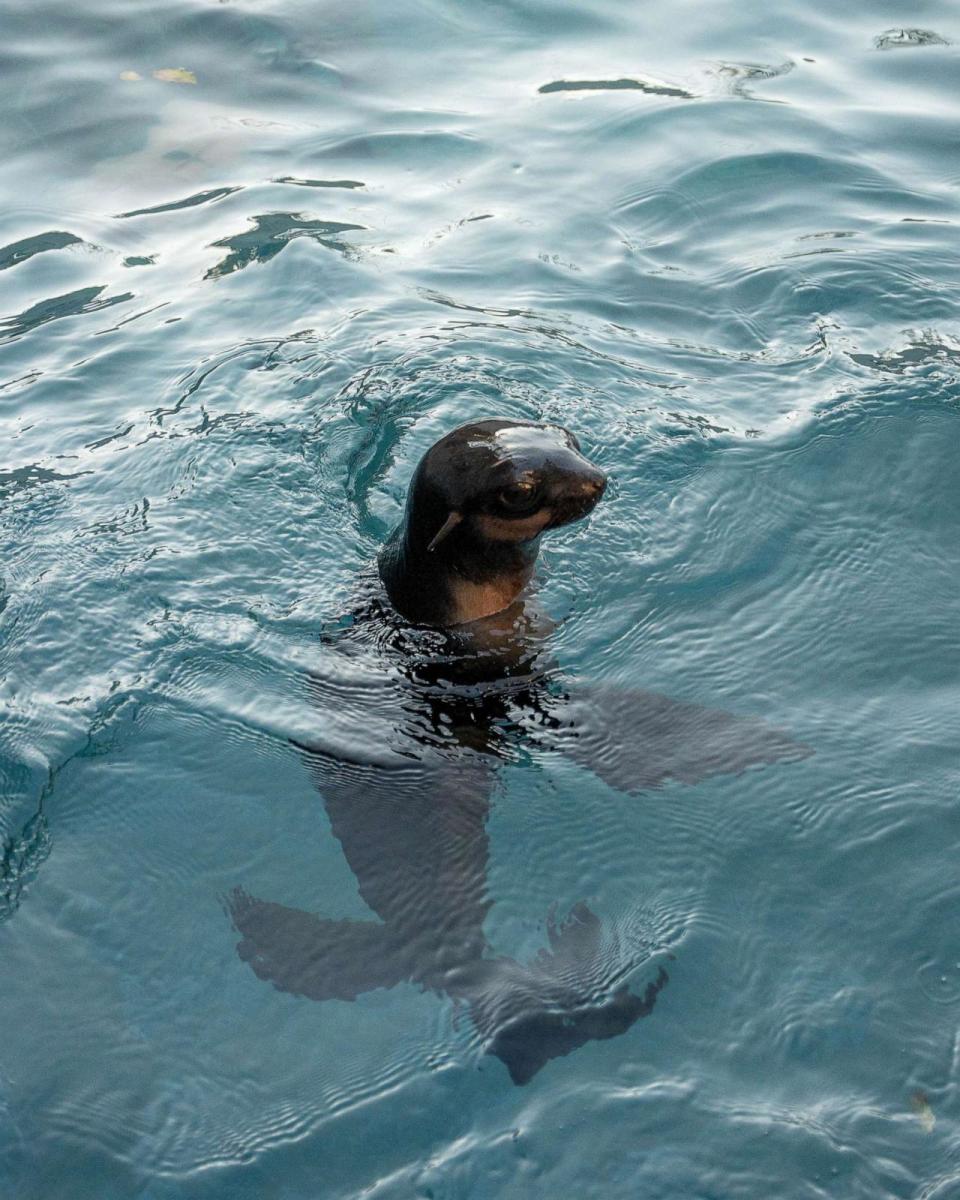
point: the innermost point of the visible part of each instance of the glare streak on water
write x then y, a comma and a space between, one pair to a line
254, 260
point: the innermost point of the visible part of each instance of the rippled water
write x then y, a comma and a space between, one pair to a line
238, 299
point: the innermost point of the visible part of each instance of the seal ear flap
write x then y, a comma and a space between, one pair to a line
452, 521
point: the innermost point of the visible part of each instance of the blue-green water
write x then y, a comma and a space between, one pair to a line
233, 313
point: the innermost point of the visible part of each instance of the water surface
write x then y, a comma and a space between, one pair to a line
238, 300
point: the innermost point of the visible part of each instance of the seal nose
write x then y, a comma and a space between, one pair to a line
581, 495
592, 485
595, 484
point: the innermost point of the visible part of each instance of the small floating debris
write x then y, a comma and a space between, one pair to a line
614, 85
893, 39
130, 76
920, 1103
174, 75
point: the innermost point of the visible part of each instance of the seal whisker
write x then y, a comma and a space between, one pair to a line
452, 521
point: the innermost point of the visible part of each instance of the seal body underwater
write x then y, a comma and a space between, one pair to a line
461, 682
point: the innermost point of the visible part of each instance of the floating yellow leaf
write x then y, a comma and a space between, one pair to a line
130, 76
175, 75
920, 1103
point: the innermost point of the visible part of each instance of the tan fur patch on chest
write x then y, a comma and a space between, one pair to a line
472, 601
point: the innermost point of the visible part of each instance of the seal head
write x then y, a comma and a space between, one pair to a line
478, 504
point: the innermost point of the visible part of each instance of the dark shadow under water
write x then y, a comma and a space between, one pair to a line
410, 812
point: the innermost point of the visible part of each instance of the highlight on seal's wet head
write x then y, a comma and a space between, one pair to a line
534, 479
507, 480
478, 502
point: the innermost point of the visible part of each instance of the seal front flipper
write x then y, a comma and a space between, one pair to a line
413, 832
313, 957
635, 741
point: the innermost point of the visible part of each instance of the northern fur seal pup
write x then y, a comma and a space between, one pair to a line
478, 504
408, 763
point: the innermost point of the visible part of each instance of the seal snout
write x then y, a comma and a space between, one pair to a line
577, 494
594, 486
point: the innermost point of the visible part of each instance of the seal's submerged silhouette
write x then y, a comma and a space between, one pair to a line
459, 682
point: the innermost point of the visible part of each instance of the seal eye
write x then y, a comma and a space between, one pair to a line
518, 497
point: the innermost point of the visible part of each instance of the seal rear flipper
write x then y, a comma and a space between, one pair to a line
635, 741
313, 957
533, 1014
535, 1036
